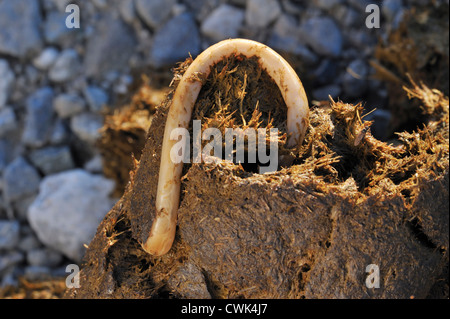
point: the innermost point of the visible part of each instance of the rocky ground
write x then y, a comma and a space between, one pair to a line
57, 84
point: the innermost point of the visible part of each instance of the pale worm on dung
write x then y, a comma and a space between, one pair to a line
162, 232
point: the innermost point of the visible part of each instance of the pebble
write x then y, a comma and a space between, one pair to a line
7, 120
68, 104
326, 72
52, 159
175, 40
224, 22
154, 12
9, 259
201, 8
355, 79
285, 37
292, 6
60, 133
260, 13
39, 117
56, 32
6, 82
323, 35
21, 207
20, 26
328, 5
66, 66
127, 11
44, 257
20, 179
29, 242
33, 273
68, 209
96, 98
102, 53
86, 126
94, 165
381, 124
46, 58
390, 8
9, 234
323, 93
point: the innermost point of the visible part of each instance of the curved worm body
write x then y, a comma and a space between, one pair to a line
162, 232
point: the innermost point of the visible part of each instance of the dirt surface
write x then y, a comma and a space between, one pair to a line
345, 201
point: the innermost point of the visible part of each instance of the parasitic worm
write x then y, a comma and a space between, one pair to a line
163, 229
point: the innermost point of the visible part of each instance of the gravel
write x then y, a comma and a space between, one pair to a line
6, 82
224, 22
39, 117
323, 35
20, 28
175, 40
19, 180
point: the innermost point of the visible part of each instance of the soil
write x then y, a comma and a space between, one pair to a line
344, 201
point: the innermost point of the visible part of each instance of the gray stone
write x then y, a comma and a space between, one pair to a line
28, 243
39, 117
60, 133
56, 31
6, 82
201, 8
96, 98
52, 159
20, 179
323, 93
61, 4
7, 120
127, 11
326, 72
381, 123
44, 257
348, 17
292, 6
9, 234
19, 27
260, 13
175, 40
66, 66
94, 165
154, 12
109, 48
355, 79
9, 259
327, 5
322, 35
21, 207
86, 126
46, 58
285, 37
360, 5
68, 209
34, 273
390, 8
68, 104
224, 22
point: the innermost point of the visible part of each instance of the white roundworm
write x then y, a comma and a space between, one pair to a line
162, 232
